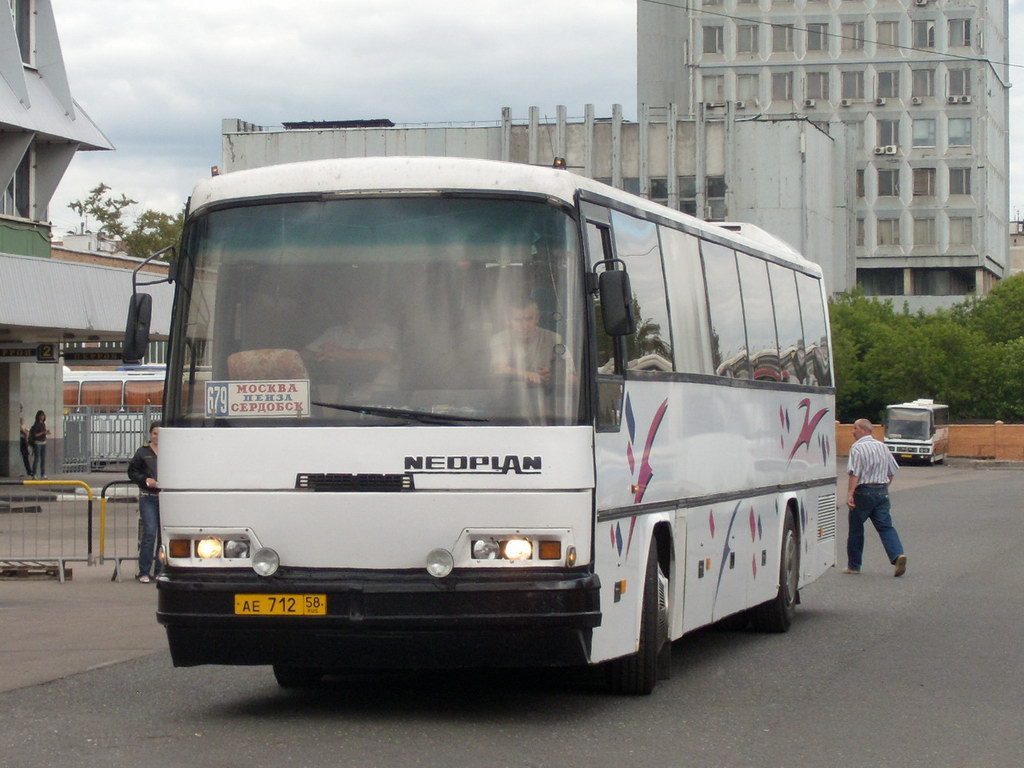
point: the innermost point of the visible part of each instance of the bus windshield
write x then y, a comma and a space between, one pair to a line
909, 424
379, 311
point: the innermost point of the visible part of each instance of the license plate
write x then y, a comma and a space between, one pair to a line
906, 455
280, 605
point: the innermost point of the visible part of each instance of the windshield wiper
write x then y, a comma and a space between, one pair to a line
426, 417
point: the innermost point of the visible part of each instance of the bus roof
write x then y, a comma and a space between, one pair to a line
921, 403
375, 175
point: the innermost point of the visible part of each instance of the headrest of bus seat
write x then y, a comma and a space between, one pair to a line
266, 365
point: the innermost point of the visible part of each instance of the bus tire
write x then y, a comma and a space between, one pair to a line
636, 674
776, 615
289, 676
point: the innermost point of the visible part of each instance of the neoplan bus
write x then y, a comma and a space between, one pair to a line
446, 413
917, 431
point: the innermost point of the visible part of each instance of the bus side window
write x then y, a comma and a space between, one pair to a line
819, 367
760, 318
787, 321
728, 335
688, 305
636, 243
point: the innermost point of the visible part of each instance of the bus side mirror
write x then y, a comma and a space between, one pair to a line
136, 332
616, 302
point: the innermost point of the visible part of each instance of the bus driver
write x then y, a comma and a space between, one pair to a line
525, 350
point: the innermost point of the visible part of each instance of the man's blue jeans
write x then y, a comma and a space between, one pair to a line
872, 502
149, 530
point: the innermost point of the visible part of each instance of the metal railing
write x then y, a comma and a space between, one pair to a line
45, 523
119, 526
94, 437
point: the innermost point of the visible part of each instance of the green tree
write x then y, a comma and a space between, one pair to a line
106, 210
148, 233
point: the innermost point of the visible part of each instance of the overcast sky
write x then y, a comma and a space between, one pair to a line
157, 76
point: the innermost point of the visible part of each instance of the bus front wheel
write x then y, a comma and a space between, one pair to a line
637, 673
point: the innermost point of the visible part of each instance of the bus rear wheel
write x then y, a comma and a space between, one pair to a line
776, 615
637, 674
289, 676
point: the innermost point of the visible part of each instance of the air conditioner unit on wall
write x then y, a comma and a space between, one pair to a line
879, 150
915, 100
966, 99
920, 2
741, 105
891, 149
952, 99
845, 102
880, 101
808, 102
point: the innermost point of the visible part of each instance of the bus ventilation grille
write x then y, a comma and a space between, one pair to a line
338, 483
826, 517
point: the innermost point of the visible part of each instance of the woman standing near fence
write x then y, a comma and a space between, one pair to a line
37, 442
142, 472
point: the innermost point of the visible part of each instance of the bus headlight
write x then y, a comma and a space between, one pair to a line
236, 548
265, 561
517, 549
440, 563
486, 549
207, 549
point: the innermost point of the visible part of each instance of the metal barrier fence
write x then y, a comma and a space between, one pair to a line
45, 524
94, 438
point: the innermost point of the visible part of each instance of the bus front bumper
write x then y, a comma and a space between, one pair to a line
385, 621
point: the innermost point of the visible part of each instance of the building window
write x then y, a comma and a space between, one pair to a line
959, 82
16, 198
923, 83
888, 182
887, 33
713, 39
860, 231
816, 85
688, 194
659, 189
924, 132
959, 131
889, 84
924, 231
782, 38
852, 36
714, 197
713, 88
960, 230
881, 282
924, 182
959, 181
746, 88
746, 38
782, 86
888, 231
22, 11
888, 132
860, 182
852, 85
817, 37
942, 282
959, 32
924, 34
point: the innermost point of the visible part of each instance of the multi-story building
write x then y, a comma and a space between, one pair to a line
924, 85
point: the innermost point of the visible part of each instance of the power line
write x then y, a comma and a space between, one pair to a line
927, 51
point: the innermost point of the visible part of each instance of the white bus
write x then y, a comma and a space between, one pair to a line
446, 413
917, 431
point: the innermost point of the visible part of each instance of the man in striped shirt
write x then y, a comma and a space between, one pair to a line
870, 467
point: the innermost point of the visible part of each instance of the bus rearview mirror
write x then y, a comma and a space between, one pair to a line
616, 303
136, 332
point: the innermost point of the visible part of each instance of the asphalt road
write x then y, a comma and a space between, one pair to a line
925, 670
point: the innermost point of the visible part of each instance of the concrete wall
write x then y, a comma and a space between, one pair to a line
979, 441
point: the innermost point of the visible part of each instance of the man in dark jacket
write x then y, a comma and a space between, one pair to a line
142, 471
